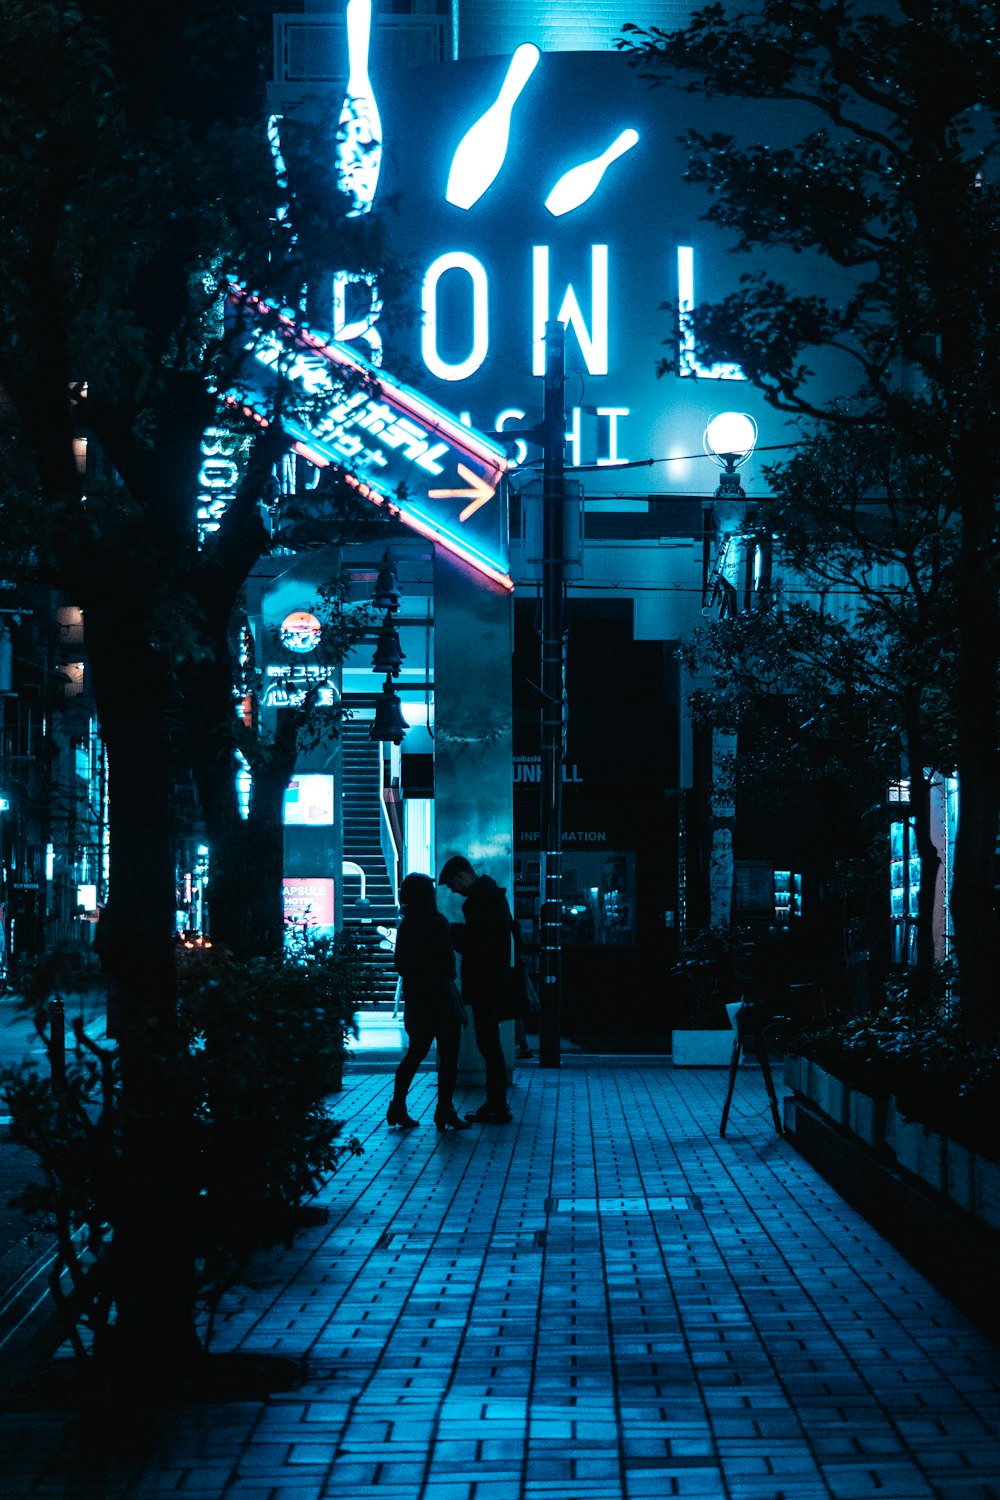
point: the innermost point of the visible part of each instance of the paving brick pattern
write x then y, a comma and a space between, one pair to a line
602, 1301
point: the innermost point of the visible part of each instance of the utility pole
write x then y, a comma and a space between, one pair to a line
553, 697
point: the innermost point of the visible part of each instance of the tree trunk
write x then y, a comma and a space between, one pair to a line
246, 912
245, 899
152, 1257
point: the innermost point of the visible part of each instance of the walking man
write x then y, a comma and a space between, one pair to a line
483, 940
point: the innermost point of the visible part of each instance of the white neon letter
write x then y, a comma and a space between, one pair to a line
512, 414
593, 346
455, 260
685, 305
358, 328
573, 438
613, 413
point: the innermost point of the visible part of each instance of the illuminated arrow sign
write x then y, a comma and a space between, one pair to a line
396, 447
479, 493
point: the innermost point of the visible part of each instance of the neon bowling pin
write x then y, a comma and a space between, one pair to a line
280, 170
580, 183
359, 139
482, 149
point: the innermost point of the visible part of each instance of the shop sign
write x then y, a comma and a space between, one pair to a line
300, 631
308, 900
528, 772
570, 836
309, 800
396, 447
576, 209
287, 685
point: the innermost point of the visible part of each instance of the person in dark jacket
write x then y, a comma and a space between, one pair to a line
484, 941
432, 1009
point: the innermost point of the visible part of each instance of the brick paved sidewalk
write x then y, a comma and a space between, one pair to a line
602, 1301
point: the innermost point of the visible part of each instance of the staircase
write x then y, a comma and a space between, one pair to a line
361, 773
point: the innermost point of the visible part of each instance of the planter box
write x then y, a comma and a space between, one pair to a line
701, 1049
957, 1250
866, 1117
792, 1073
830, 1094
909, 1137
917, 1149
931, 1159
960, 1175
987, 1191
893, 1123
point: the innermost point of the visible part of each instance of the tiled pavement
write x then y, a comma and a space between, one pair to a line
602, 1301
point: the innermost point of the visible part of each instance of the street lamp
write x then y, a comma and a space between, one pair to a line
728, 440
388, 723
386, 595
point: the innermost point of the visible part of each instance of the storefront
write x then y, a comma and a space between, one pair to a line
573, 207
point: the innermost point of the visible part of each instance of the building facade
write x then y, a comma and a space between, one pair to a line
528, 174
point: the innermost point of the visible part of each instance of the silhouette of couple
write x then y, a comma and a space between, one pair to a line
432, 1010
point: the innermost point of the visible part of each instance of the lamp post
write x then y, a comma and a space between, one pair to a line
728, 440
389, 722
553, 697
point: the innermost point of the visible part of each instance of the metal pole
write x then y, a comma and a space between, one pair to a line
57, 1041
553, 693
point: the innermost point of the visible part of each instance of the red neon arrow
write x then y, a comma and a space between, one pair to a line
478, 494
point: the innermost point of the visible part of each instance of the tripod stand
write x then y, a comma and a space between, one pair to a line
751, 1019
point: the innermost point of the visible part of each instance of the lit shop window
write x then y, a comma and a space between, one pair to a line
69, 620
787, 896
70, 675
904, 890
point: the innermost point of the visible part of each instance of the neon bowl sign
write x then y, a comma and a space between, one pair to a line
588, 220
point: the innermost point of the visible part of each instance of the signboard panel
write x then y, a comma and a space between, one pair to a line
308, 900
309, 800
584, 216
396, 446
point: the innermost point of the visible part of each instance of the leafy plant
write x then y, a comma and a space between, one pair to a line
266, 1041
939, 1073
710, 976
264, 1049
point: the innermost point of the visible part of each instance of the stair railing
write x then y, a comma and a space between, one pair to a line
391, 852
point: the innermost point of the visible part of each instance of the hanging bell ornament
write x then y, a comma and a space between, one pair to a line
388, 723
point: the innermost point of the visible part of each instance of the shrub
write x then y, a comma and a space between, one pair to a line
266, 1038
709, 976
940, 1076
265, 1043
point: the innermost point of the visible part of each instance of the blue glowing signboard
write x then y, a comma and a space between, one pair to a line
395, 446
539, 185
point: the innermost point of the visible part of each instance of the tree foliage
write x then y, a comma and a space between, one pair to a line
877, 174
135, 179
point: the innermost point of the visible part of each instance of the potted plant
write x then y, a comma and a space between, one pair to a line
708, 981
920, 1088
